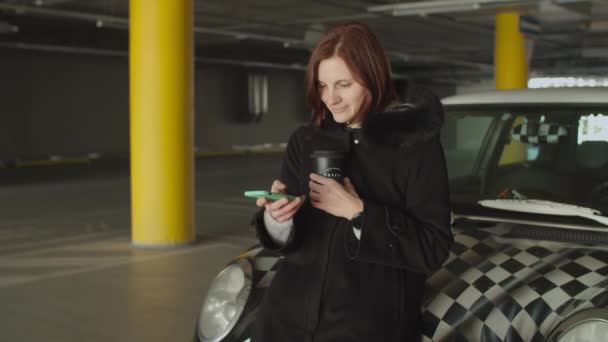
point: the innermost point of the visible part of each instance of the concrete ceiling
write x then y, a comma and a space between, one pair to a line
445, 44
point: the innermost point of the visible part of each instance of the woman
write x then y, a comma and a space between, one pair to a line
356, 254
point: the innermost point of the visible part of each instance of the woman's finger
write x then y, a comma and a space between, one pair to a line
347, 184
315, 196
320, 179
317, 204
286, 208
350, 188
278, 186
276, 205
260, 202
315, 187
288, 215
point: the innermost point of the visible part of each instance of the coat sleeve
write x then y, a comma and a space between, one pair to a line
417, 235
290, 171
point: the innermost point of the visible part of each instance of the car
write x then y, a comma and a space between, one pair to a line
528, 171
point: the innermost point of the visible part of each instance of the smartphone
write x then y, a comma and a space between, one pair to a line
272, 196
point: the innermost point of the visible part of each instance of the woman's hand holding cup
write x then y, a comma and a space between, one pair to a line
333, 197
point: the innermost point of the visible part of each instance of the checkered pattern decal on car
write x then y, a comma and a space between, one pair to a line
493, 290
265, 265
544, 133
489, 291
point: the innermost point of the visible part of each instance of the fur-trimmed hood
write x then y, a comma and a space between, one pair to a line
418, 119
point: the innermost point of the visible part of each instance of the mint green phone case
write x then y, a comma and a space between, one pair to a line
273, 196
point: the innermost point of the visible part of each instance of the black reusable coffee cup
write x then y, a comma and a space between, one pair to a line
329, 163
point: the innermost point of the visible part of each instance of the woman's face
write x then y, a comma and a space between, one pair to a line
339, 91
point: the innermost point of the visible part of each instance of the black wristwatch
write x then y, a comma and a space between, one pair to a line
357, 220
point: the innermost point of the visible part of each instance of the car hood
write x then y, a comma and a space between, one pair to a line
494, 288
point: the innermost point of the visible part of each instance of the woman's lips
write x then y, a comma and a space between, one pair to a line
339, 110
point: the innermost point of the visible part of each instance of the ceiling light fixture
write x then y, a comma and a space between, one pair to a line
457, 7
439, 6
567, 82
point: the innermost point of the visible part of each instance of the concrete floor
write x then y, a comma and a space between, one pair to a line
69, 273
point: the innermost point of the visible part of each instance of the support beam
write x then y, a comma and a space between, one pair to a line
511, 69
511, 72
161, 112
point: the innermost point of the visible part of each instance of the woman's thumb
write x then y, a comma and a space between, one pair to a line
348, 184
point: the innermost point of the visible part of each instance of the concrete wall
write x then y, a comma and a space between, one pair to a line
221, 102
13, 133
70, 104
76, 105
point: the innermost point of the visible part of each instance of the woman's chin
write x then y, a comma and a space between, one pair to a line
340, 118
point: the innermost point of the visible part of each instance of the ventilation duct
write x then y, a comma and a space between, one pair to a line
257, 95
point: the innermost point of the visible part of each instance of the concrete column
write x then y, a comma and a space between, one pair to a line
161, 122
510, 65
511, 71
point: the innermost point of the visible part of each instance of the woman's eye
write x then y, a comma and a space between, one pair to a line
344, 85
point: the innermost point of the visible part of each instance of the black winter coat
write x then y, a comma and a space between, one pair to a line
335, 287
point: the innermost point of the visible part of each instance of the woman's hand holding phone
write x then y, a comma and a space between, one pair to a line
281, 210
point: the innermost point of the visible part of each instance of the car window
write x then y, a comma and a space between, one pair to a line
463, 138
558, 154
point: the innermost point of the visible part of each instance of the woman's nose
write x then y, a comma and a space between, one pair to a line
332, 97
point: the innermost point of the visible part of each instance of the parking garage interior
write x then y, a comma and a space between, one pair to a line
70, 267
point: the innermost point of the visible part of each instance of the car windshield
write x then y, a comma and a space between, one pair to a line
542, 152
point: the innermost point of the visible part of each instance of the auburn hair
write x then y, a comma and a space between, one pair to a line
358, 47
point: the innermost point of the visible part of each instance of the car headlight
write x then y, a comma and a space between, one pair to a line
225, 300
584, 326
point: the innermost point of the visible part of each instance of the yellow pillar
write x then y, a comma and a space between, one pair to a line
511, 70
161, 122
